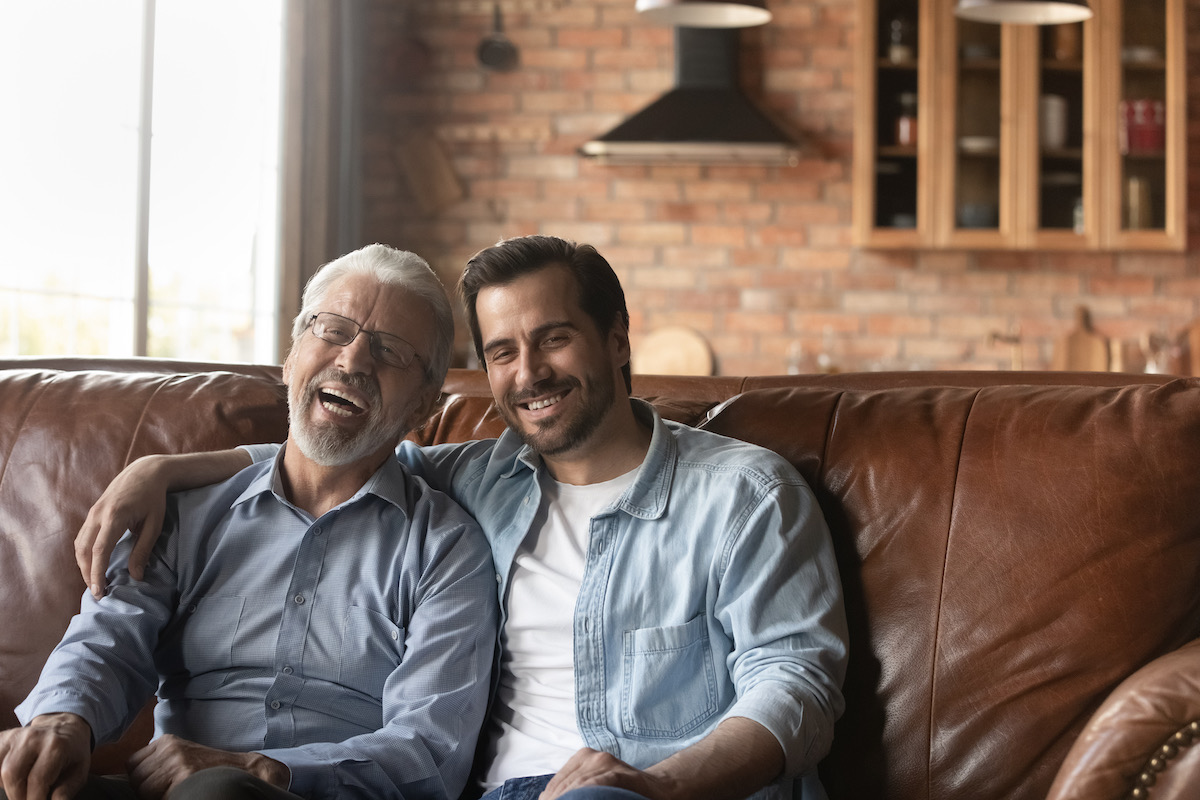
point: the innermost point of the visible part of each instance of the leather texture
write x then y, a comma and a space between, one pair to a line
1020, 551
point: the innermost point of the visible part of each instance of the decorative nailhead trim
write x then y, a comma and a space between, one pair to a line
1179, 740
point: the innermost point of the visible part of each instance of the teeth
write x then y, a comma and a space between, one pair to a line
347, 409
336, 409
537, 405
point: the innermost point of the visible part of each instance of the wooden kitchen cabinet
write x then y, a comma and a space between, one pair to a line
1065, 137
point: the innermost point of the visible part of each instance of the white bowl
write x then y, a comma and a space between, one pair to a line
978, 144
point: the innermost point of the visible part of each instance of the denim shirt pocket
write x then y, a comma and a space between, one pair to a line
207, 633
668, 681
372, 648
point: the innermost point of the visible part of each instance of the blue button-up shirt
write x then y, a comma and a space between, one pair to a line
710, 590
354, 648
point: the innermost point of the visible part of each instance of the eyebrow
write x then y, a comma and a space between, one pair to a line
537, 332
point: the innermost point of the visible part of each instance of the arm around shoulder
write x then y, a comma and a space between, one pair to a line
135, 500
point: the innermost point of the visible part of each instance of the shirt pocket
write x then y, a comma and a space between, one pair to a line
208, 632
372, 648
669, 684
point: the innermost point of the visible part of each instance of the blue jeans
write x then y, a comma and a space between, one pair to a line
530, 788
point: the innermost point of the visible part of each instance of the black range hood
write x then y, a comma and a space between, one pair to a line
705, 118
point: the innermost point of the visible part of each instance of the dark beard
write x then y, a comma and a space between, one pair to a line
557, 436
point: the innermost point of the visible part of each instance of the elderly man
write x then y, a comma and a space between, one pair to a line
321, 625
672, 620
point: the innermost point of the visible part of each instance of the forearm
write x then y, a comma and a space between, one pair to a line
736, 759
191, 470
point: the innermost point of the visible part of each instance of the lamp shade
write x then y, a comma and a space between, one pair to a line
706, 13
1024, 12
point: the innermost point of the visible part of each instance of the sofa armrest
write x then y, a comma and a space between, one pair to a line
1144, 740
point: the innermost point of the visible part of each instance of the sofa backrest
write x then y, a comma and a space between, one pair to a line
1011, 545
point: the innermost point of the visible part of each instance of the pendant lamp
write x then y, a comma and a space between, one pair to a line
1024, 12
706, 13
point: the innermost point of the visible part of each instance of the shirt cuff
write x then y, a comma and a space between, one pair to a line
260, 452
804, 737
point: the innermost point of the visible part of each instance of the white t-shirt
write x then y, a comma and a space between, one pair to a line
532, 730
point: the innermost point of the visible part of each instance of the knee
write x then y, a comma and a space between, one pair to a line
216, 783
600, 793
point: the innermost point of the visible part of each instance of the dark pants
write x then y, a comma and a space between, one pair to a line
530, 788
218, 783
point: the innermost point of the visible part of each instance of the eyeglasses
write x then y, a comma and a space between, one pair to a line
339, 330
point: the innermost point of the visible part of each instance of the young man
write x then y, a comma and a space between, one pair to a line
672, 620
320, 626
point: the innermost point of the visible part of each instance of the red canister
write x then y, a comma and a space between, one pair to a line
1142, 126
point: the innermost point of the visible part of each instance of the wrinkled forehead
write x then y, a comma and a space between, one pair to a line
381, 307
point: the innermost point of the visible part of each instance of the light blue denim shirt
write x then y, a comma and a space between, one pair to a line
354, 648
710, 591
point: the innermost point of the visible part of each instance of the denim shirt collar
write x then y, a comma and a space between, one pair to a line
647, 497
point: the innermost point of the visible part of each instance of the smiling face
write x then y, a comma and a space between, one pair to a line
552, 373
343, 405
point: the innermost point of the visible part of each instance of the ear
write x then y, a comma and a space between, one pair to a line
287, 367
424, 407
619, 339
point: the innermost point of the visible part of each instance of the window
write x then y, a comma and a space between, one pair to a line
96, 258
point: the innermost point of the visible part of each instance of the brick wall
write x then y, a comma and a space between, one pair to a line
757, 258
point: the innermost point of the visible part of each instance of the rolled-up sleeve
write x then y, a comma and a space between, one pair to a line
788, 625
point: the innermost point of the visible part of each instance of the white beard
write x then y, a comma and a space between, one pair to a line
328, 445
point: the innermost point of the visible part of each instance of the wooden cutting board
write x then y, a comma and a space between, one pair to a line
1083, 349
674, 350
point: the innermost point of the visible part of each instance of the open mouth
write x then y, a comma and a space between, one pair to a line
338, 403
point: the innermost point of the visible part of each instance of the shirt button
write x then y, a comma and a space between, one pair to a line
395, 635
275, 704
498, 577
317, 531
587, 624
287, 670
299, 599
192, 608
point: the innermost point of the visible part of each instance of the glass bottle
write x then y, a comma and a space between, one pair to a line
906, 121
902, 40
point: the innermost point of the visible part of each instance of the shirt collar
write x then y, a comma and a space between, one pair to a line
389, 483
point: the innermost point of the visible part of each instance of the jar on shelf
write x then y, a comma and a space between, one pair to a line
906, 120
902, 40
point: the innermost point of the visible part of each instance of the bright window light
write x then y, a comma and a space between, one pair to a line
70, 81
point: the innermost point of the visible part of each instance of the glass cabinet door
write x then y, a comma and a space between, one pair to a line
1060, 129
897, 100
1147, 124
977, 127
1142, 116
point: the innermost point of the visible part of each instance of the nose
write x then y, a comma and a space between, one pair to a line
532, 368
356, 358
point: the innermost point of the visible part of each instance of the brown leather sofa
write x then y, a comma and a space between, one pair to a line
1020, 551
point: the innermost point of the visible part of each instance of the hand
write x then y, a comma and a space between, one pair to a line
156, 768
594, 768
135, 501
47, 758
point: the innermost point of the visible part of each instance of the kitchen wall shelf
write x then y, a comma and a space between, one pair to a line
1026, 137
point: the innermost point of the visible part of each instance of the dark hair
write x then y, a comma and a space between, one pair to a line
600, 293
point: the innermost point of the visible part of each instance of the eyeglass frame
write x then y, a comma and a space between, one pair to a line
374, 340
